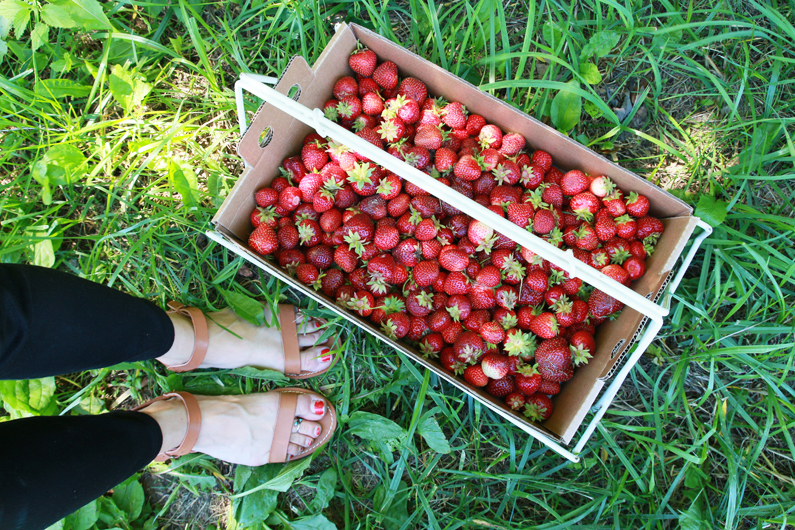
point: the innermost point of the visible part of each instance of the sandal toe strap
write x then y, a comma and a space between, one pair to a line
292, 352
288, 401
201, 336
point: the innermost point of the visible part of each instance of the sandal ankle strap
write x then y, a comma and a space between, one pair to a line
201, 336
194, 424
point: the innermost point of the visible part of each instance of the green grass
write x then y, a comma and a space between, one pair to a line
701, 435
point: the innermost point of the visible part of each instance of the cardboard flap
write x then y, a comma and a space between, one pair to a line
297, 74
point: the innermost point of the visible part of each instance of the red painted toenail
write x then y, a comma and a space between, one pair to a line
324, 351
310, 441
325, 359
317, 432
318, 406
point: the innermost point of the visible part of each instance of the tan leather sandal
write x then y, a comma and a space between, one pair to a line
289, 328
288, 401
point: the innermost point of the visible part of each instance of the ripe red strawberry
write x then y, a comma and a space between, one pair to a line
372, 104
626, 227
474, 124
349, 107
331, 281
501, 387
432, 344
345, 258
386, 237
320, 256
637, 205
363, 62
418, 327
309, 232
545, 325
428, 136
605, 228
448, 359
582, 346
528, 380
520, 214
439, 320
263, 240
413, 88
307, 273
515, 401
504, 195
266, 197
451, 333
426, 272
367, 85
635, 267
431, 249
396, 325
454, 260
585, 205
289, 198
543, 221
345, 86
385, 74
492, 332
586, 237
474, 376
616, 272
495, 365
649, 226
468, 347
290, 259
602, 305
549, 387
615, 203
574, 182
426, 205
543, 159
458, 307
482, 297
288, 237
490, 136
553, 195
314, 156
426, 229
512, 143
537, 280
454, 115
392, 129
331, 220
554, 360
362, 302
264, 216
419, 303
488, 276
598, 258
538, 407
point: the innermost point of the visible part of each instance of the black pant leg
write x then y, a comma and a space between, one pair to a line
54, 323
53, 466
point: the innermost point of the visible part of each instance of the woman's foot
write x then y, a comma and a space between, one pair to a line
239, 429
245, 344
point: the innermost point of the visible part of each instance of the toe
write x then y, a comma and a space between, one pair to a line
307, 324
310, 428
309, 339
294, 450
301, 439
316, 358
310, 407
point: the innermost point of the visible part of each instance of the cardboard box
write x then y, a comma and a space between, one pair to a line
614, 339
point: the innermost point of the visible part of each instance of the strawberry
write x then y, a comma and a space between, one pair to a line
616, 272
637, 205
287, 236
507, 296
582, 347
501, 387
474, 376
601, 304
407, 251
483, 297
649, 226
458, 307
428, 136
432, 344
290, 259
520, 214
385, 74
605, 228
528, 380
451, 333
447, 358
320, 256
602, 186
537, 280
264, 216
307, 273
371, 136
635, 267
543, 221
553, 195
626, 227
545, 325
419, 303
314, 156
586, 237
431, 249
266, 197
289, 198
414, 89
481, 235
495, 365
331, 220
490, 136
374, 207
615, 203
454, 260
392, 129
390, 187
474, 124
426, 229
426, 272
363, 62
502, 196
515, 401
554, 360
454, 115
396, 325
468, 347
439, 320
345, 258
349, 107
512, 143
445, 159
492, 332
345, 86
309, 232
426, 205
488, 276
543, 159
372, 104
386, 237
263, 240
574, 182
549, 387
331, 281
538, 407
362, 302
585, 205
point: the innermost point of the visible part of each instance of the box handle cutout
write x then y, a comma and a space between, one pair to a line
295, 92
265, 137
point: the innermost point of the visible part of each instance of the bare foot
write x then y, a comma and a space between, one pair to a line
239, 429
247, 345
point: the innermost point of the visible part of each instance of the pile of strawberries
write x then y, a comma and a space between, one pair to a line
422, 270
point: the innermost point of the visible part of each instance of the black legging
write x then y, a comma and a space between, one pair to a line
53, 323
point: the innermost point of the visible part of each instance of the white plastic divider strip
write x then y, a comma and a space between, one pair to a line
563, 259
241, 103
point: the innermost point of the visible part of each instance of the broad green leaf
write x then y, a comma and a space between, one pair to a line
91, 405
84, 518
61, 164
711, 210
590, 73
58, 16
281, 482
128, 88
552, 34
17, 13
58, 88
198, 480
5, 26
65, 64
314, 522
600, 44
43, 253
394, 513
242, 474
129, 496
325, 491
373, 427
429, 429
109, 513
39, 36
184, 181
257, 506
30, 396
592, 110
245, 307
566, 109
262, 375
86, 14
693, 518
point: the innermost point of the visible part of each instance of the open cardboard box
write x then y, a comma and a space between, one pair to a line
315, 85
